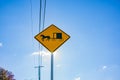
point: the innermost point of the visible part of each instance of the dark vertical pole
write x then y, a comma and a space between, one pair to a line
39, 72
52, 59
39, 66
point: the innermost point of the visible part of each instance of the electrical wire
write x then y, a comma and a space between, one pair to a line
44, 14
31, 14
42, 22
41, 27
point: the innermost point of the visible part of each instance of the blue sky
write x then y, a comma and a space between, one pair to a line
92, 52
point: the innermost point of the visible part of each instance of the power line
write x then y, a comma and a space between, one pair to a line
31, 10
41, 23
44, 15
40, 28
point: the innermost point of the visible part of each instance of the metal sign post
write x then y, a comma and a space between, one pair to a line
52, 62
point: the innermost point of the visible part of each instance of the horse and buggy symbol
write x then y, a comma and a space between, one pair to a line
55, 36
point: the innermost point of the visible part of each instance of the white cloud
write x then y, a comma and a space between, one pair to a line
104, 67
58, 65
1, 44
77, 78
107, 68
41, 52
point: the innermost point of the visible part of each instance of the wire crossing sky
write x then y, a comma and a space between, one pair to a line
92, 52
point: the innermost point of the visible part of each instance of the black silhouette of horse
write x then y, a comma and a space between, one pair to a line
45, 37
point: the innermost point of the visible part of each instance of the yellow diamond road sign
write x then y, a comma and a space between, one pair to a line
52, 37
